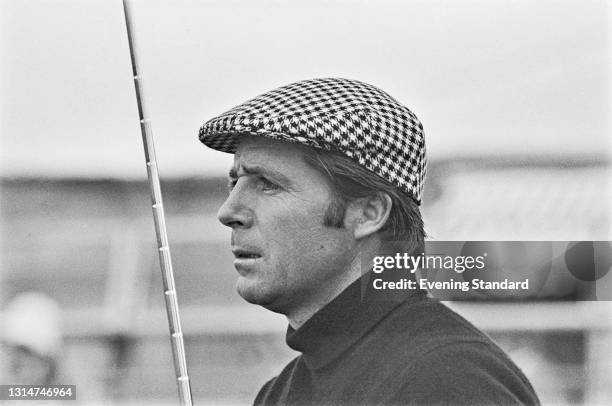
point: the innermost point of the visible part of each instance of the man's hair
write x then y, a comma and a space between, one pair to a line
350, 181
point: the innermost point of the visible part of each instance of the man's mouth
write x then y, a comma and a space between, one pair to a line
245, 259
245, 254
242, 256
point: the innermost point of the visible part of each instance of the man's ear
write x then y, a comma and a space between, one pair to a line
367, 215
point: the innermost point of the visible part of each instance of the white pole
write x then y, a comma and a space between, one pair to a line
174, 322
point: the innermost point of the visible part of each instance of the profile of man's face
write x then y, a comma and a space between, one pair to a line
284, 254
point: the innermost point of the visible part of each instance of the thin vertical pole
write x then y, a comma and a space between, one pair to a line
174, 322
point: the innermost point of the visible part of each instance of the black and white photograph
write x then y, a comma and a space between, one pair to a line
339, 202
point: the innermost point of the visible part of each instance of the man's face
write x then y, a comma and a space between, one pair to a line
283, 253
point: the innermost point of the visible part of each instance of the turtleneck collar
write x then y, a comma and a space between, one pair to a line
343, 321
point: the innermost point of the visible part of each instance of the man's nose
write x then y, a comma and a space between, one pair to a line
235, 212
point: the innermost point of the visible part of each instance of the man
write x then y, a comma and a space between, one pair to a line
325, 173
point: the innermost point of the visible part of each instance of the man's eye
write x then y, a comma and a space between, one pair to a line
268, 185
231, 183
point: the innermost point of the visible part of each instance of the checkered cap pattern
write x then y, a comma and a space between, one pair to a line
354, 118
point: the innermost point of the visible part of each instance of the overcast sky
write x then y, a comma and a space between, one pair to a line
485, 77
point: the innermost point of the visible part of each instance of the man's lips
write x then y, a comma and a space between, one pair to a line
245, 259
246, 253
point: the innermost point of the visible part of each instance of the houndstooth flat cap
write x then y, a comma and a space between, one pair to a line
354, 118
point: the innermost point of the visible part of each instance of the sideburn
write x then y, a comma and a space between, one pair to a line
334, 214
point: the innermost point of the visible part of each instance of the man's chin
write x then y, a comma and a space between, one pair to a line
254, 294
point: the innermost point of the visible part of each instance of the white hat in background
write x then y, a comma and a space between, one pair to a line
33, 320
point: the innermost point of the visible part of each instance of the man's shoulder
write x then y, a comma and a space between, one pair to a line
433, 354
418, 326
411, 332
462, 373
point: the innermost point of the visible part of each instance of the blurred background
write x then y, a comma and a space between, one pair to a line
514, 97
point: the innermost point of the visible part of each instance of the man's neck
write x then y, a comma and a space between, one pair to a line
299, 316
362, 261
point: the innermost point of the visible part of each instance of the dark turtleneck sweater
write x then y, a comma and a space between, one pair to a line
367, 348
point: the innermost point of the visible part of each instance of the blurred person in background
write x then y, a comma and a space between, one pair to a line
325, 172
30, 340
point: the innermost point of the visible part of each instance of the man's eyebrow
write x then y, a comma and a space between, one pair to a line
259, 170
